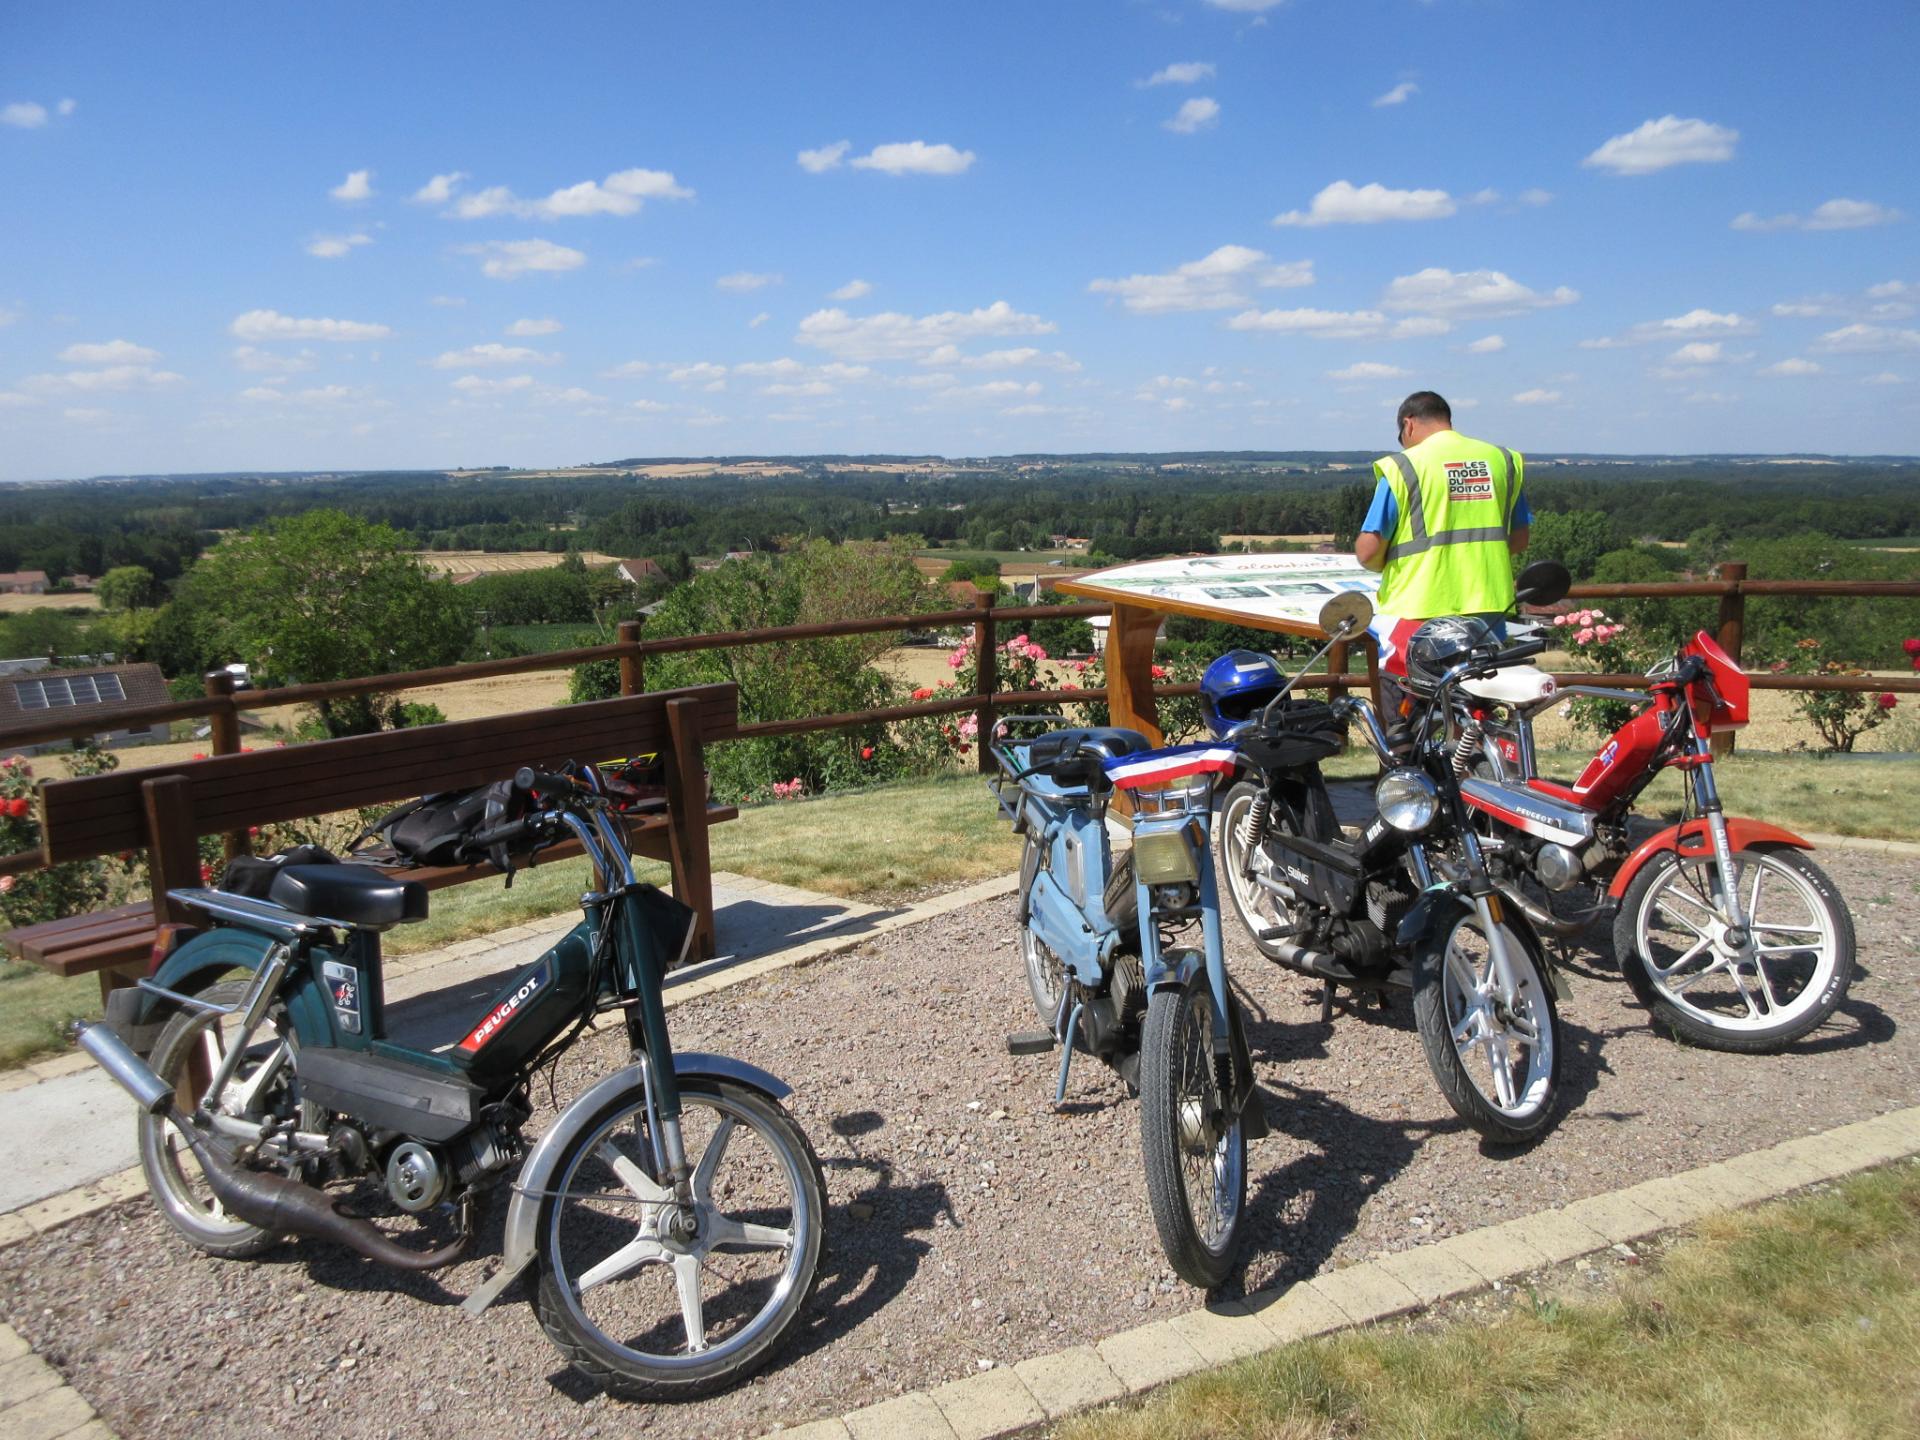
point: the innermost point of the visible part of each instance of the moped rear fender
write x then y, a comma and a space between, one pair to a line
200, 962
537, 1172
1692, 840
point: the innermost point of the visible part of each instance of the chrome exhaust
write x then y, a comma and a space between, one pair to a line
273, 1202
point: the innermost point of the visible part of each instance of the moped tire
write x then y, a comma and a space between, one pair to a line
1045, 980
593, 1206
1443, 969
1820, 971
1188, 1157
172, 1173
1240, 890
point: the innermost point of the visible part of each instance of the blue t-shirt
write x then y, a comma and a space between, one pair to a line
1384, 513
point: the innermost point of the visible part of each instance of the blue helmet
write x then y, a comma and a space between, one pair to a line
1237, 685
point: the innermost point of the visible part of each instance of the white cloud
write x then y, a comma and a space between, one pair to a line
1793, 366
24, 115
265, 362
261, 394
526, 328
1665, 142
827, 157
1320, 324
332, 247
1699, 352
915, 157
7, 317
757, 321
1441, 292
1885, 377
621, 193
86, 416
1536, 197
492, 353
1486, 196
1537, 397
1487, 345
852, 290
1216, 281
700, 372
272, 325
485, 385
111, 352
113, 377
451, 302
356, 187
629, 370
510, 259
894, 336
741, 282
1342, 203
1016, 358
67, 107
1839, 214
1697, 320
1181, 72
1398, 95
1367, 370
439, 190
648, 407
1867, 339
1889, 289
14, 400
1200, 113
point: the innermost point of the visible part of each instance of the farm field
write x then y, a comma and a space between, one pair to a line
501, 562
73, 600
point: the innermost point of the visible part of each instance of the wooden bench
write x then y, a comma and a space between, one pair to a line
167, 808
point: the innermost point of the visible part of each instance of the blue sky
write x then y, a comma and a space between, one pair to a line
965, 229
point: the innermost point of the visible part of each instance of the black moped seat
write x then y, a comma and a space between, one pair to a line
1073, 757
356, 895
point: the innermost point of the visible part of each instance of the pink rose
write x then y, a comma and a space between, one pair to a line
1584, 636
1563, 619
6, 884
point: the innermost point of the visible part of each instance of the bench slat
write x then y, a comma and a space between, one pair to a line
101, 814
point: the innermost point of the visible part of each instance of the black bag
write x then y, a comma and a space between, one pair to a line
437, 829
252, 875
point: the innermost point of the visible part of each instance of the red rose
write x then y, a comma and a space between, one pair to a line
18, 806
1887, 701
1912, 646
866, 752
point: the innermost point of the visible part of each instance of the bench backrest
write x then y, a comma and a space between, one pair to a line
105, 814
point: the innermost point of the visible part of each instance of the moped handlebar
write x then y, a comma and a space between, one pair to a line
541, 782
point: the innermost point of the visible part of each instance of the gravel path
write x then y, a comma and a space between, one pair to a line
970, 1223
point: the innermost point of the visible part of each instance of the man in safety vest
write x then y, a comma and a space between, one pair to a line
1447, 512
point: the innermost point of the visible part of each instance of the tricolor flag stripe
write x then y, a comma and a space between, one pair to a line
1157, 767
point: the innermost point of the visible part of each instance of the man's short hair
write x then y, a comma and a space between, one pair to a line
1425, 405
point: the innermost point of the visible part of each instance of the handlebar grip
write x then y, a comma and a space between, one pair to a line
542, 782
499, 834
1525, 650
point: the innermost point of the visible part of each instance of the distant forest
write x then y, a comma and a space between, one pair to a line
1126, 506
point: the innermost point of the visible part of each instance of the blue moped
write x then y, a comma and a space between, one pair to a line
1102, 938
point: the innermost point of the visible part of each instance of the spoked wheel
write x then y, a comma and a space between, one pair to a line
1497, 1064
1257, 907
1196, 1158
189, 1050
657, 1301
1755, 992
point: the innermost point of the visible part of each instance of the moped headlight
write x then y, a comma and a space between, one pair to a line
1407, 799
1164, 857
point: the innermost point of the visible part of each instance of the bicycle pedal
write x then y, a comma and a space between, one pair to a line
1030, 1042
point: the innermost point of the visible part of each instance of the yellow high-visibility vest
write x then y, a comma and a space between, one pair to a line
1448, 552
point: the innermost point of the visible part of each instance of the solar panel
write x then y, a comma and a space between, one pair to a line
50, 694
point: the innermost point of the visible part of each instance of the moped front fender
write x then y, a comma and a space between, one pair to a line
537, 1171
1437, 909
1693, 841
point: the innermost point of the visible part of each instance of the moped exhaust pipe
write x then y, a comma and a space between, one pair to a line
273, 1202
1561, 928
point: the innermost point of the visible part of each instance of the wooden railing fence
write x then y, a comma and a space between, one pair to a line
222, 706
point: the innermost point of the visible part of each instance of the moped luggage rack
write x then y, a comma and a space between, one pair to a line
1013, 773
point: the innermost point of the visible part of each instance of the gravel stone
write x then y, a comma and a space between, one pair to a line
887, 1047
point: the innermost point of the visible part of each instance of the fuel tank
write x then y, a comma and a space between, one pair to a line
1529, 810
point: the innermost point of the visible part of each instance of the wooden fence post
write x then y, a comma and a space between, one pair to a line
633, 667
1733, 630
224, 737
986, 671
1336, 665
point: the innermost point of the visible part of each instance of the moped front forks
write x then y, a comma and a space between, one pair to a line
1707, 795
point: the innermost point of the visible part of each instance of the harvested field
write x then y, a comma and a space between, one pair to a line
968, 1222
74, 600
501, 562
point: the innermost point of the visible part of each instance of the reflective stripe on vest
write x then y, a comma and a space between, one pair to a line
1417, 513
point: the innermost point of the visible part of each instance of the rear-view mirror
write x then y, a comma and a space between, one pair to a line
1542, 583
1346, 614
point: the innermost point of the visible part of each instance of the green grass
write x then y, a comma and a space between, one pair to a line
1798, 1319
35, 1005
560, 635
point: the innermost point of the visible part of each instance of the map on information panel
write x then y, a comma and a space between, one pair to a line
1285, 590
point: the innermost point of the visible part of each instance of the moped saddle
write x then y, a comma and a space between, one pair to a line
1073, 757
356, 895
